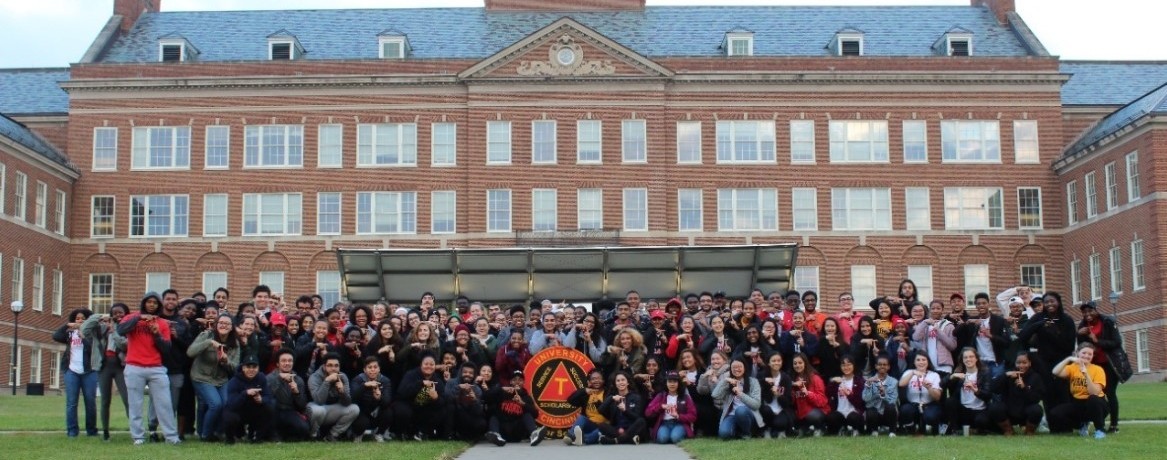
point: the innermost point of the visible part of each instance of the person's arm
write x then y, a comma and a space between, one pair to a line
722, 387
236, 394
129, 322
752, 399
944, 336
201, 343
61, 335
1004, 296
1060, 369
345, 397
319, 388
816, 392
567, 339
891, 396
654, 407
538, 342
91, 327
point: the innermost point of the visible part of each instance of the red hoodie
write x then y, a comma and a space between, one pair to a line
141, 350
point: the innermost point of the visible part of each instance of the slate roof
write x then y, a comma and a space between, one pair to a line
22, 135
33, 91
1110, 82
1152, 103
473, 33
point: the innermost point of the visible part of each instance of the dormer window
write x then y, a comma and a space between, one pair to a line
283, 46
956, 42
172, 53
738, 42
281, 51
392, 45
959, 46
847, 42
174, 48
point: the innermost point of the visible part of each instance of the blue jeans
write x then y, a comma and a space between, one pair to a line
736, 423
591, 431
137, 378
213, 398
670, 431
86, 385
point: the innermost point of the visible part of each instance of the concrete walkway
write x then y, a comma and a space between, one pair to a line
556, 449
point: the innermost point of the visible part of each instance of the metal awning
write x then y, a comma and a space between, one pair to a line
583, 274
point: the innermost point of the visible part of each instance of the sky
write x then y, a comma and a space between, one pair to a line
55, 33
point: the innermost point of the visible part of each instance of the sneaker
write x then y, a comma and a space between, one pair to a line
943, 429
569, 436
418, 437
781, 435
577, 435
607, 441
357, 438
178, 442
1084, 430
537, 435
138, 442
766, 434
891, 434
1099, 434
1113, 429
875, 434
636, 439
818, 433
855, 433
379, 437
495, 438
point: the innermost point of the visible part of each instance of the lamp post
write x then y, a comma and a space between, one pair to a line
1114, 305
17, 307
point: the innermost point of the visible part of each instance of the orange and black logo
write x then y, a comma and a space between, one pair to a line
552, 376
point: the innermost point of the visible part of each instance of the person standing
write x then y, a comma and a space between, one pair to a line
1053, 334
147, 340
215, 353
80, 366
103, 331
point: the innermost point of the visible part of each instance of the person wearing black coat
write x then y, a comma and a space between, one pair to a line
372, 392
1053, 334
1020, 391
79, 367
1102, 331
624, 410
465, 418
987, 333
777, 407
969, 393
513, 414
249, 403
753, 350
312, 349
352, 352
290, 399
420, 404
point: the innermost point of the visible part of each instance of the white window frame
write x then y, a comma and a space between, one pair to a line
764, 142
689, 146
329, 145
976, 279
1138, 274
443, 144
1072, 201
495, 212
731, 213
635, 204
1111, 178
1075, 280
96, 220
733, 38
325, 280
1142, 351
211, 281
105, 149
874, 148
100, 303
34, 373
59, 212
1021, 223
682, 210
55, 370
1095, 265
806, 278
842, 38
544, 145
864, 281
544, 210
842, 210
210, 202
158, 281
802, 142
403, 144
175, 218
921, 276
1091, 195
589, 141
1133, 188
959, 217
634, 141
1036, 285
399, 41
915, 136
989, 133
141, 146
918, 208
217, 139
499, 151
58, 291
19, 364
401, 213
21, 194
41, 204
1025, 146
274, 280
38, 287
953, 38
804, 209
291, 215
1116, 269
254, 144
585, 198
172, 42
271, 51
449, 197
329, 214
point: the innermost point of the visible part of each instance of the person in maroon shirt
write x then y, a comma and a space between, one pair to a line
147, 340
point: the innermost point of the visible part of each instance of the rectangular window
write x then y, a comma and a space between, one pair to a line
330, 146
863, 282
689, 142
212, 281
1133, 191
41, 204
806, 278
921, 275
971, 208
802, 141
34, 371
1072, 201
915, 141
272, 214
55, 370
1025, 141
544, 210
590, 208
543, 137
273, 146
161, 147
380, 213
58, 292
690, 210
850, 46
328, 211
1095, 276
971, 141
588, 141
157, 281
273, 280
1111, 186
861, 208
743, 46
391, 48
1075, 280
804, 204
858, 141
498, 142
159, 215
498, 210
745, 142
17, 279
328, 286
1029, 207
1142, 351
105, 149
38, 287
1034, 276
217, 153
1138, 282
1116, 269
634, 139
444, 144
215, 215
387, 144
976, 279
918, 208
636, 210
1091, 196
20, 210
443, 211
747, 209
100, 292
59, 214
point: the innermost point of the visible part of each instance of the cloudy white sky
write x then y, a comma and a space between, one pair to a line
54, 33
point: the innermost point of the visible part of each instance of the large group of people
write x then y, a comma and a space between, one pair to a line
770, 365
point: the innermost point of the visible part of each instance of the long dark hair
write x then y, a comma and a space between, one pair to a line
232, 336
808, 369
746, 375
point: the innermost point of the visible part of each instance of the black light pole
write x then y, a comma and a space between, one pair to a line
17, 307
1114, 305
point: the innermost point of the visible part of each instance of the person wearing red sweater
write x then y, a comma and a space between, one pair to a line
810, 396
147, 340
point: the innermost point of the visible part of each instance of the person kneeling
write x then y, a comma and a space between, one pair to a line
514, 412
625, 412
370, 391
465, 419
249, 404
290, 398
331, 403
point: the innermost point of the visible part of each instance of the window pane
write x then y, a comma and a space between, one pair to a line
588, 141
498, 210
330, 146
688, 142
805, 208
636, 209
689, 210
745, 141
328, 212
634, 140
919, 212
443, 212
590, 207
444, 148
105, 149
218, 147
858, 141
215, 215
802, 141
498, 142
915, 141
1025, 147
544, 213
543, 142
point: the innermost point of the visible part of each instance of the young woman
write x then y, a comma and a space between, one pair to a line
513, 357
741, 399
103, 330
718, 339
385, 345
832, 347
652, 381
845, 394
464, 348
215, 355
294, 332
771, 333
311, 351
922, 391
487, 341
1087, 394
687, 337
673, 410
624, 410
881, 396
884, 319
627, 354
777, 407
586, 429
421, 340
898, 346
418, 406
936, 334
969, 393
590, 338
865, 346
753, 350
80, 366
361, 316
1101, 331
708, 420
798, 339
810, 396
1020, 391
690, 367
352, 353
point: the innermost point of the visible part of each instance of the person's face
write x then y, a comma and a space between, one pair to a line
622, 311
937, 312
303, 306
1090, 314
921, 362
481, 327
901, 328
1086, 354
752, 335
334, 319
250, 370
453, 322
170, 301
651, 366
792, 302
982, 305
846, 302
221, 298
396, 323
1016, 309
625, 341
423, 331
293, 327
1022, 363
331, 366
517, 381
706, 302
1051, 305
1023, 291
798, 320
516, 340
776, 362
286, 363
486, 372
317, 302
737, 369
588, 323
462, 337
308, 323
443, 314
361, 318
428, 365
757, 298
449, 359
117, 314
476, 311
969, 358
550, 322
884, 311
247, 326
621, 382
320, 330
658, 323
262, 300
810, 303
427, 300
187, 311
798, 365
716, 360
223, 326
865, 328
917, 312
692, 303
595, 380
467, 374
881, 366
518, 319
847, 367
151, 305
385, 330
957, 306
749, 308
633, 299
687, 325
687, 360
907, 290
372, 371
717, 324
414, 319
672, 385
210, 313
463, 305
353, 336
493, 309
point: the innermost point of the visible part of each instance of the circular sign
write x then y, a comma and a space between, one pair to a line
552, 375
566, 56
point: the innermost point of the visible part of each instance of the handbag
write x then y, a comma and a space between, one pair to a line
1121, 364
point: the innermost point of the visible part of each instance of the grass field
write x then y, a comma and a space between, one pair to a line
46, 446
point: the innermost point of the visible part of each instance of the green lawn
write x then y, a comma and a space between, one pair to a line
1142, 401
44, 446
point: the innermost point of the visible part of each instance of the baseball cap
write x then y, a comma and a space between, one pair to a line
719, 294
278, 319
249, 360
1086, 305
516, 373
956, 295
1015, 299
657, 314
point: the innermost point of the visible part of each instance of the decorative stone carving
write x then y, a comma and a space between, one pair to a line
566, 58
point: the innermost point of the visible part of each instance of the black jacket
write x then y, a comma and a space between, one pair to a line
62, 336
502, 404
966, 335
633, 408
363, 396
409, 391
1014, 396
282, 393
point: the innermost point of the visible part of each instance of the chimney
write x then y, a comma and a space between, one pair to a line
564, 5
1000, 8
131, 10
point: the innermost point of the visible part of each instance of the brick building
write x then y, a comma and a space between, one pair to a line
215, 159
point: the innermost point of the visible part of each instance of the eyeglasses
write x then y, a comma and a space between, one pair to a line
846, 299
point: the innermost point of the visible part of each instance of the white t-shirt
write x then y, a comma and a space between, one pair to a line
777, 389
934, 344
670, 400
916, 391
985, 344
845, 407
76, 353
968, 398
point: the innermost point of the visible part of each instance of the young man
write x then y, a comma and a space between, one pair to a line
147, 340
331, 405
513, 414
372, 393
175, 360
290, 398
250, 406
465, 418
987, 333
